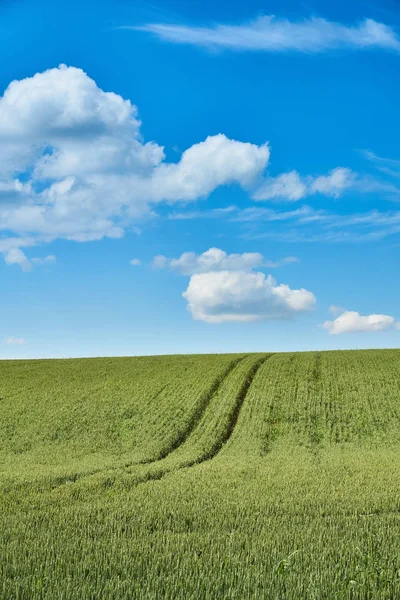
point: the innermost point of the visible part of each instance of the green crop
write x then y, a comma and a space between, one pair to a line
201, 477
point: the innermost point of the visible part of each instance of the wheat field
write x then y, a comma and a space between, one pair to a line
248, 476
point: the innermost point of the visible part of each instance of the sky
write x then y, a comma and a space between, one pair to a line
194, 177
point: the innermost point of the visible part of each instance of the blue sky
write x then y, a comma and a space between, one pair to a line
198, 177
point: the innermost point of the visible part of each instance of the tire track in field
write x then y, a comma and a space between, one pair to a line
177, 443
197, 414
233, 416
222, 439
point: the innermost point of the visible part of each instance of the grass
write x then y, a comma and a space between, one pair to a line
236, 476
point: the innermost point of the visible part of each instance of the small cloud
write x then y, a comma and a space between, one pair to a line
288, 186
334, 183
292, 186
160, 262
371, 156
15, 256
280, 263
336, 310
215, 259
42, 261
15, 341
350, 321
135, 262
213, 213
388, 166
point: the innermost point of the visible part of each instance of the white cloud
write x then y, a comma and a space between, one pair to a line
42, 261
292, 187
15, 256
389, 166
215, 259
287, 185
334, 183
207, 165
280, 263
135, 262
212, 213
336, 310
15, 341
90, 173
224, 287
350, 321
381, 160
218, 297
272, 34
160, 262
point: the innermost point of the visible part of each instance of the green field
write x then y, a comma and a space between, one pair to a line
257, 476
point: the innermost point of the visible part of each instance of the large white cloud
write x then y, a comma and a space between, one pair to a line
225, 287
217, 297
350, 321
86, 169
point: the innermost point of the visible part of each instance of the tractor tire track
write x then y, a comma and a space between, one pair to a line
222, 439
194, 421
233, 415
197, 414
